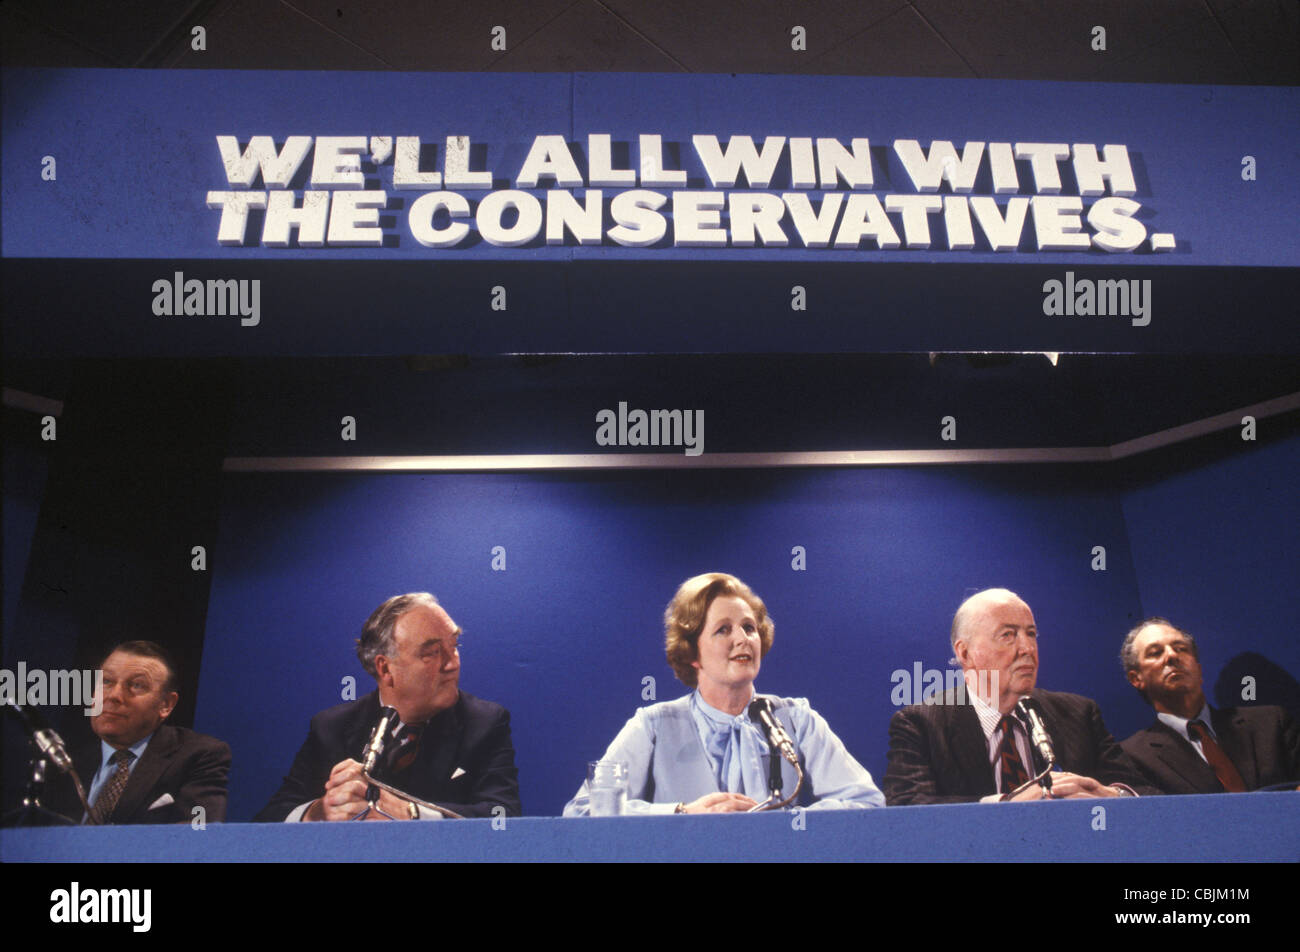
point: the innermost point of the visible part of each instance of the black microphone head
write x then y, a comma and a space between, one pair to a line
388, 712
31, 717
758, 706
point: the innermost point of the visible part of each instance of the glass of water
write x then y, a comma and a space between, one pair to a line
607, 787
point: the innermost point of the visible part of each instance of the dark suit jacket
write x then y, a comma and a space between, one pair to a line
191, 767
472, 735
1262, 742
938, 753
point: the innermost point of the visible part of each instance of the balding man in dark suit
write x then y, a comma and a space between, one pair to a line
975, 747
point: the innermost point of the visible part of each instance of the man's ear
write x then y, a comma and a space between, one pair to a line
169, 704
959, 649
1134, 678
381, 668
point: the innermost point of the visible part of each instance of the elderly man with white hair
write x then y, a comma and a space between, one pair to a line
974, 745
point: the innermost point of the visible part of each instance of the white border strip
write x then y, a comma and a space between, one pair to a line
595, 461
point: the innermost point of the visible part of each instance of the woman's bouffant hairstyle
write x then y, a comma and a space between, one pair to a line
684, 619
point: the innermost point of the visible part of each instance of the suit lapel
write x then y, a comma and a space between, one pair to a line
1234, 738
146, 774
970, 748
439, 748
358, 731
87, 762
1180, 757
1067, 727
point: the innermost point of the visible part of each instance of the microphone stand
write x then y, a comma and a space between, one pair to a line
372, 794
370, 759
31, 812
1044, 779
774, 777
1040, 746
768, 804
372, 799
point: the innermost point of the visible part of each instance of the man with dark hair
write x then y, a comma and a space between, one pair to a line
446, 747
1192, 748
144, 770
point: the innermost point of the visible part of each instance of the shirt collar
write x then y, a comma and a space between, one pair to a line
1179, 724
108, 750
718, 719
988, 716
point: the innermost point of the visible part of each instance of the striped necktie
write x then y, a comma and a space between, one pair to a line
406, 745
1013, 768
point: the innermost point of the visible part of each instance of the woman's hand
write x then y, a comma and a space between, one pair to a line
720, 803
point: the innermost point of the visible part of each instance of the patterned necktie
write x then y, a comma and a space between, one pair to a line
1013, 768
404, 748
111, 792
1223, 767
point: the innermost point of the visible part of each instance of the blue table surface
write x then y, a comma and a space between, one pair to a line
1259, 827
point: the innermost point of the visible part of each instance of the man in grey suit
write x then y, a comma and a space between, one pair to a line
1192, 748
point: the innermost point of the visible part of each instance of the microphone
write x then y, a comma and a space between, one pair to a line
1031, 713
47, 741
760, 710
378, 737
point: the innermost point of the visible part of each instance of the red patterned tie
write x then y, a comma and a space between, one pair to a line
406, 746
1013, 768
1223, 767
112, 790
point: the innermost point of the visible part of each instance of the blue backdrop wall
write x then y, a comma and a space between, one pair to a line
566, 635
1216, 551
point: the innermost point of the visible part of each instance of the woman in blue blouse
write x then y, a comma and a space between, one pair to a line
702, 753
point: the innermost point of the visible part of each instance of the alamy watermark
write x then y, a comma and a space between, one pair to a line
76, 904
626, 427
924, 685
1084, 297
215, 297
72, 688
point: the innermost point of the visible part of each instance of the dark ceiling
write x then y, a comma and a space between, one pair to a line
1160, 41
